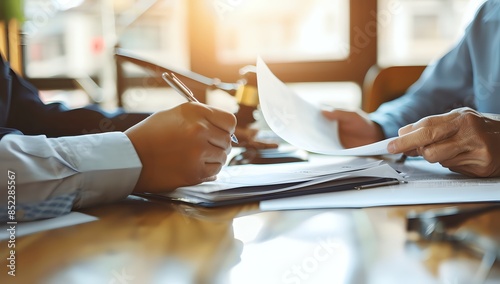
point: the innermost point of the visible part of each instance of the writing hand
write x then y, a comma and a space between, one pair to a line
182, 146
462, 140
355, 128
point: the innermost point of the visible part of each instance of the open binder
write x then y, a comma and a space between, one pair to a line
264, 182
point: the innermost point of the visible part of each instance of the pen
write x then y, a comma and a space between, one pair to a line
401, 159
391, 182
182, 89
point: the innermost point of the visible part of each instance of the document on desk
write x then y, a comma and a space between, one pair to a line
427, 184
246, 183
301, 123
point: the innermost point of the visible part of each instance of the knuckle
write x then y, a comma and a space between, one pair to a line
198, 108
469, 118
459, 170
464, 110
446, 164
219, 154
201, 128
461, 112
427, 133
218, 168
233, 119
426, 121
189, 106
487, 168
483, 172
197, 130
430, 154
230, 118
474, 171
405, 129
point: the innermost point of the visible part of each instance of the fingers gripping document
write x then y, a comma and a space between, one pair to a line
300, 123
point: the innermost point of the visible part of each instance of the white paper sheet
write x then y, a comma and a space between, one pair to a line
258, 175
380, 171
385, 196
427, 184
26, 228
301, 123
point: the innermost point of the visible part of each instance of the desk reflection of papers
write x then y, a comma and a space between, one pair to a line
150, 241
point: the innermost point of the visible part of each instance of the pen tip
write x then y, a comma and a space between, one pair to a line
234, 139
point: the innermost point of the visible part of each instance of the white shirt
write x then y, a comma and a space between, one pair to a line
54, 175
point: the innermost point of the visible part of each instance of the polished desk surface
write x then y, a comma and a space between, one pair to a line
141, 241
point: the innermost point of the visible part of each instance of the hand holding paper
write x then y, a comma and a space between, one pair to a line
300, 123
355, 127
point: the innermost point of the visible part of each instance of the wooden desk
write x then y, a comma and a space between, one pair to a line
137, 241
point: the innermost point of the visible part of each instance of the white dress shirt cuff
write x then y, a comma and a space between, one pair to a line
109, 164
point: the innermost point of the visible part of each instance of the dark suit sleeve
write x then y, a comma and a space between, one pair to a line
21, 110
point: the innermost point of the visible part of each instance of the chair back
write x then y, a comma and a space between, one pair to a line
10, 43
385, 84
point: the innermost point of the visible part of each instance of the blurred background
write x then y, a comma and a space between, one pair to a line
322, 48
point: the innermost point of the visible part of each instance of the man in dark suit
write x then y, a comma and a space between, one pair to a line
21, 109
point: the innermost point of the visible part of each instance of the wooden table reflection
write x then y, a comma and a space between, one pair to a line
139, 241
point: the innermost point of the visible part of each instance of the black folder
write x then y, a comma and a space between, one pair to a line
352, 179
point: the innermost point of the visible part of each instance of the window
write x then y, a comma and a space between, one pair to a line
69, 44
414, 32
304, 41
283, 31
74, 40
301, 40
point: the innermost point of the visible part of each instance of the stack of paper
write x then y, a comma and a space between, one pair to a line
245, 183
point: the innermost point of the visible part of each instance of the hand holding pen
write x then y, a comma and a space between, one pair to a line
182, 89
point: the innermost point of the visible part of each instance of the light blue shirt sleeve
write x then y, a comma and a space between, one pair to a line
54, 175
468, 75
